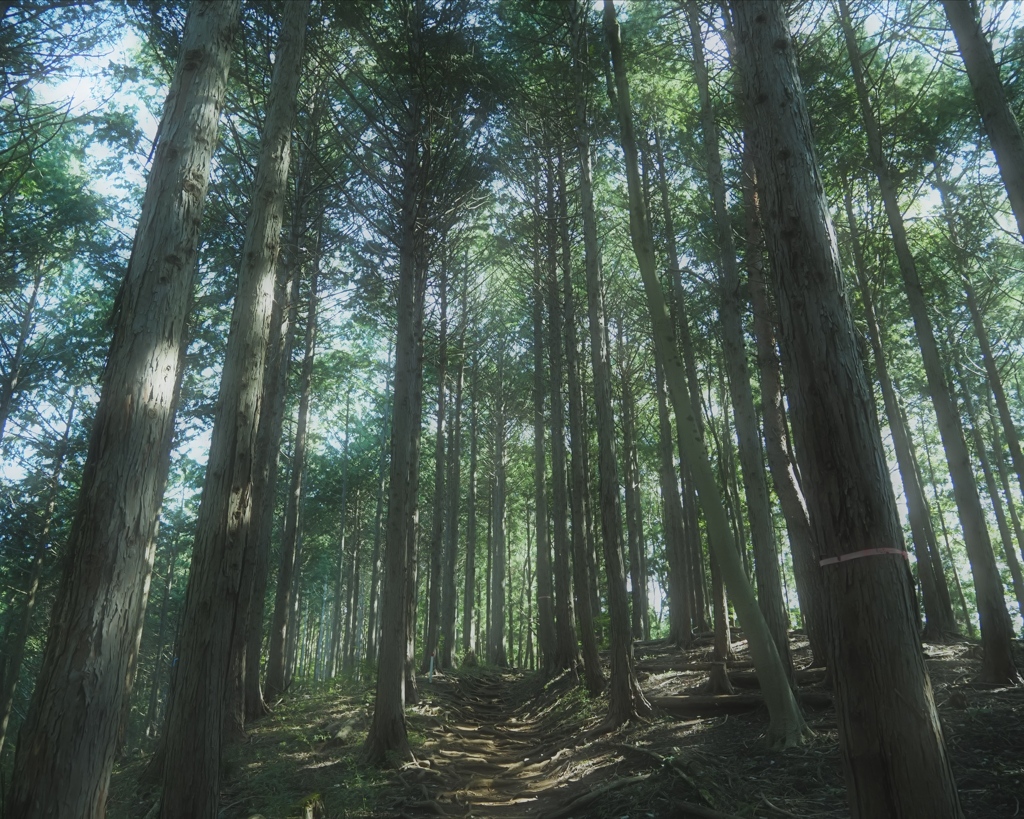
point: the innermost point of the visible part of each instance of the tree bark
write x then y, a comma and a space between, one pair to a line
981, 452
784, 472
449, 603
98, 611
224, 534
884, 701
634, 508
732, 306
373, 615
469, 593
996, 114
496, 630
546, 636
626, 701
998, 665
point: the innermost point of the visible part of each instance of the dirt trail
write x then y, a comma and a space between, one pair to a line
494, 750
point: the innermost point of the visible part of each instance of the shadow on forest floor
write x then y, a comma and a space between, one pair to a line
502, 744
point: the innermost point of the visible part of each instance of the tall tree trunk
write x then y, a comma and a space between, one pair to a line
337, 629
449, 603
693, 563
353, 620
579, 492
938, 611
996, 114
991, 369
283, 628
626, 700
275, 388
470, 591
157, 677
373, 615
884, 704
387, 735
634, 510
438, 517
964, 612
998, 665
97, 616
224, 534
567, 651
680, 614
1004, 477
762, 530
546, 636
496, 630
981, 452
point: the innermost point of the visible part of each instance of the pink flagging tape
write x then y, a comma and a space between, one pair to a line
863, 553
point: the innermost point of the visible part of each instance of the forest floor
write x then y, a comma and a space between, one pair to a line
505, 744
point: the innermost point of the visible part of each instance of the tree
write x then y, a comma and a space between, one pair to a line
94, 629
224, 531
883, 697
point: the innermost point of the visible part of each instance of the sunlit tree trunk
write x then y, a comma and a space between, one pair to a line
981, 453
582, 578
496, 630
634, 509
373, 613
387, 735
680, 615
892, 746
787, 725
66, 751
